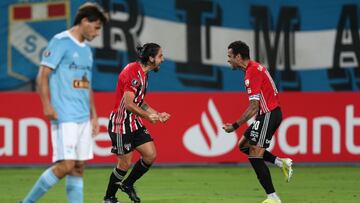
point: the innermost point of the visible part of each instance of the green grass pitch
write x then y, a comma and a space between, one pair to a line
200, 185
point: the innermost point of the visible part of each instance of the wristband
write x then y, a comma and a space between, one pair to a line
235, 125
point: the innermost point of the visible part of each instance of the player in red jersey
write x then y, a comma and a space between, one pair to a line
126, 129
264, 103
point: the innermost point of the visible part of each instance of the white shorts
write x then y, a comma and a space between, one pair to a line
72, 141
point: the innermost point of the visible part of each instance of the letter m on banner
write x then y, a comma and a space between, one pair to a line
31, 26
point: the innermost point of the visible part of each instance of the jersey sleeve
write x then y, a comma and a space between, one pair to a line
253, 84
131, 82
53, 53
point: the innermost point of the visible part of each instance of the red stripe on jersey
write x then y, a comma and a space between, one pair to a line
22, 12
140, 122
264, 107
56, 10
141, 93
131, 79
115, 125
133, 123
116, 120
121, 117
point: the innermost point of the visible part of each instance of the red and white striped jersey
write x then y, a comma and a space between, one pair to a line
260, 86
132, 78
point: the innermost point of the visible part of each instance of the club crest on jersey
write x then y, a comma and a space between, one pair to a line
47, 53
146, 131
249, 90
127, 146
247, 83
135, 82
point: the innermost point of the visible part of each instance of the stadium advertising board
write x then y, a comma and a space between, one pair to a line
317, 128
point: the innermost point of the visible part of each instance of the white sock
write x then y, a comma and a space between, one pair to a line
273, 196
278, 162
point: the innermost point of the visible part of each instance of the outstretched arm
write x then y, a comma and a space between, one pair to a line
251, 111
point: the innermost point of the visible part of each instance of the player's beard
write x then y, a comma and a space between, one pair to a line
157, 68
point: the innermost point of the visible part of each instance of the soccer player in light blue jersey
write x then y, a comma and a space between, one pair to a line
64, 86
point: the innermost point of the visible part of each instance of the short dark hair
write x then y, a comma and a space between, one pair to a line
147, 50
239, 47
92, 12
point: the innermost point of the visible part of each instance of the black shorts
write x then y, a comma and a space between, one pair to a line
125, 143
260, 132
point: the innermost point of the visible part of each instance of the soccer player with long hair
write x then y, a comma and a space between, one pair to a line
126, 128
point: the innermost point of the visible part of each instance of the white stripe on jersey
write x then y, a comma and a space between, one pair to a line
130, 122
112, 114
263, 104
120, 115
142, 85
121, 118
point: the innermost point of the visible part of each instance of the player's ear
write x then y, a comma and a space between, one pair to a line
238, 56
151, 59
84, 20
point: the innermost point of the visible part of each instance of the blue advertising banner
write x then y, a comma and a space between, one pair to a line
306, 45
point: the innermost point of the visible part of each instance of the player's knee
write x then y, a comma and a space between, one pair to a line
244, 150
69, 166
63, 168
124, 165
78, 170
243, 142
256, 151
150, 157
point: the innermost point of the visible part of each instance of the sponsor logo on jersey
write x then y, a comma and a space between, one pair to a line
146, 131
127, 146
83, 83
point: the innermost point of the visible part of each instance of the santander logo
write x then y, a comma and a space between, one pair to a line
208, 138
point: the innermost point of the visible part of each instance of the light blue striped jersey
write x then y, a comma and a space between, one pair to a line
70, 80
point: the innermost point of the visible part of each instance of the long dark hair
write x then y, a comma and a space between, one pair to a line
146, 51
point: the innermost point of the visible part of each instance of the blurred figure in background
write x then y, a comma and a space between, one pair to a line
264, 103
126, 129
64, 85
